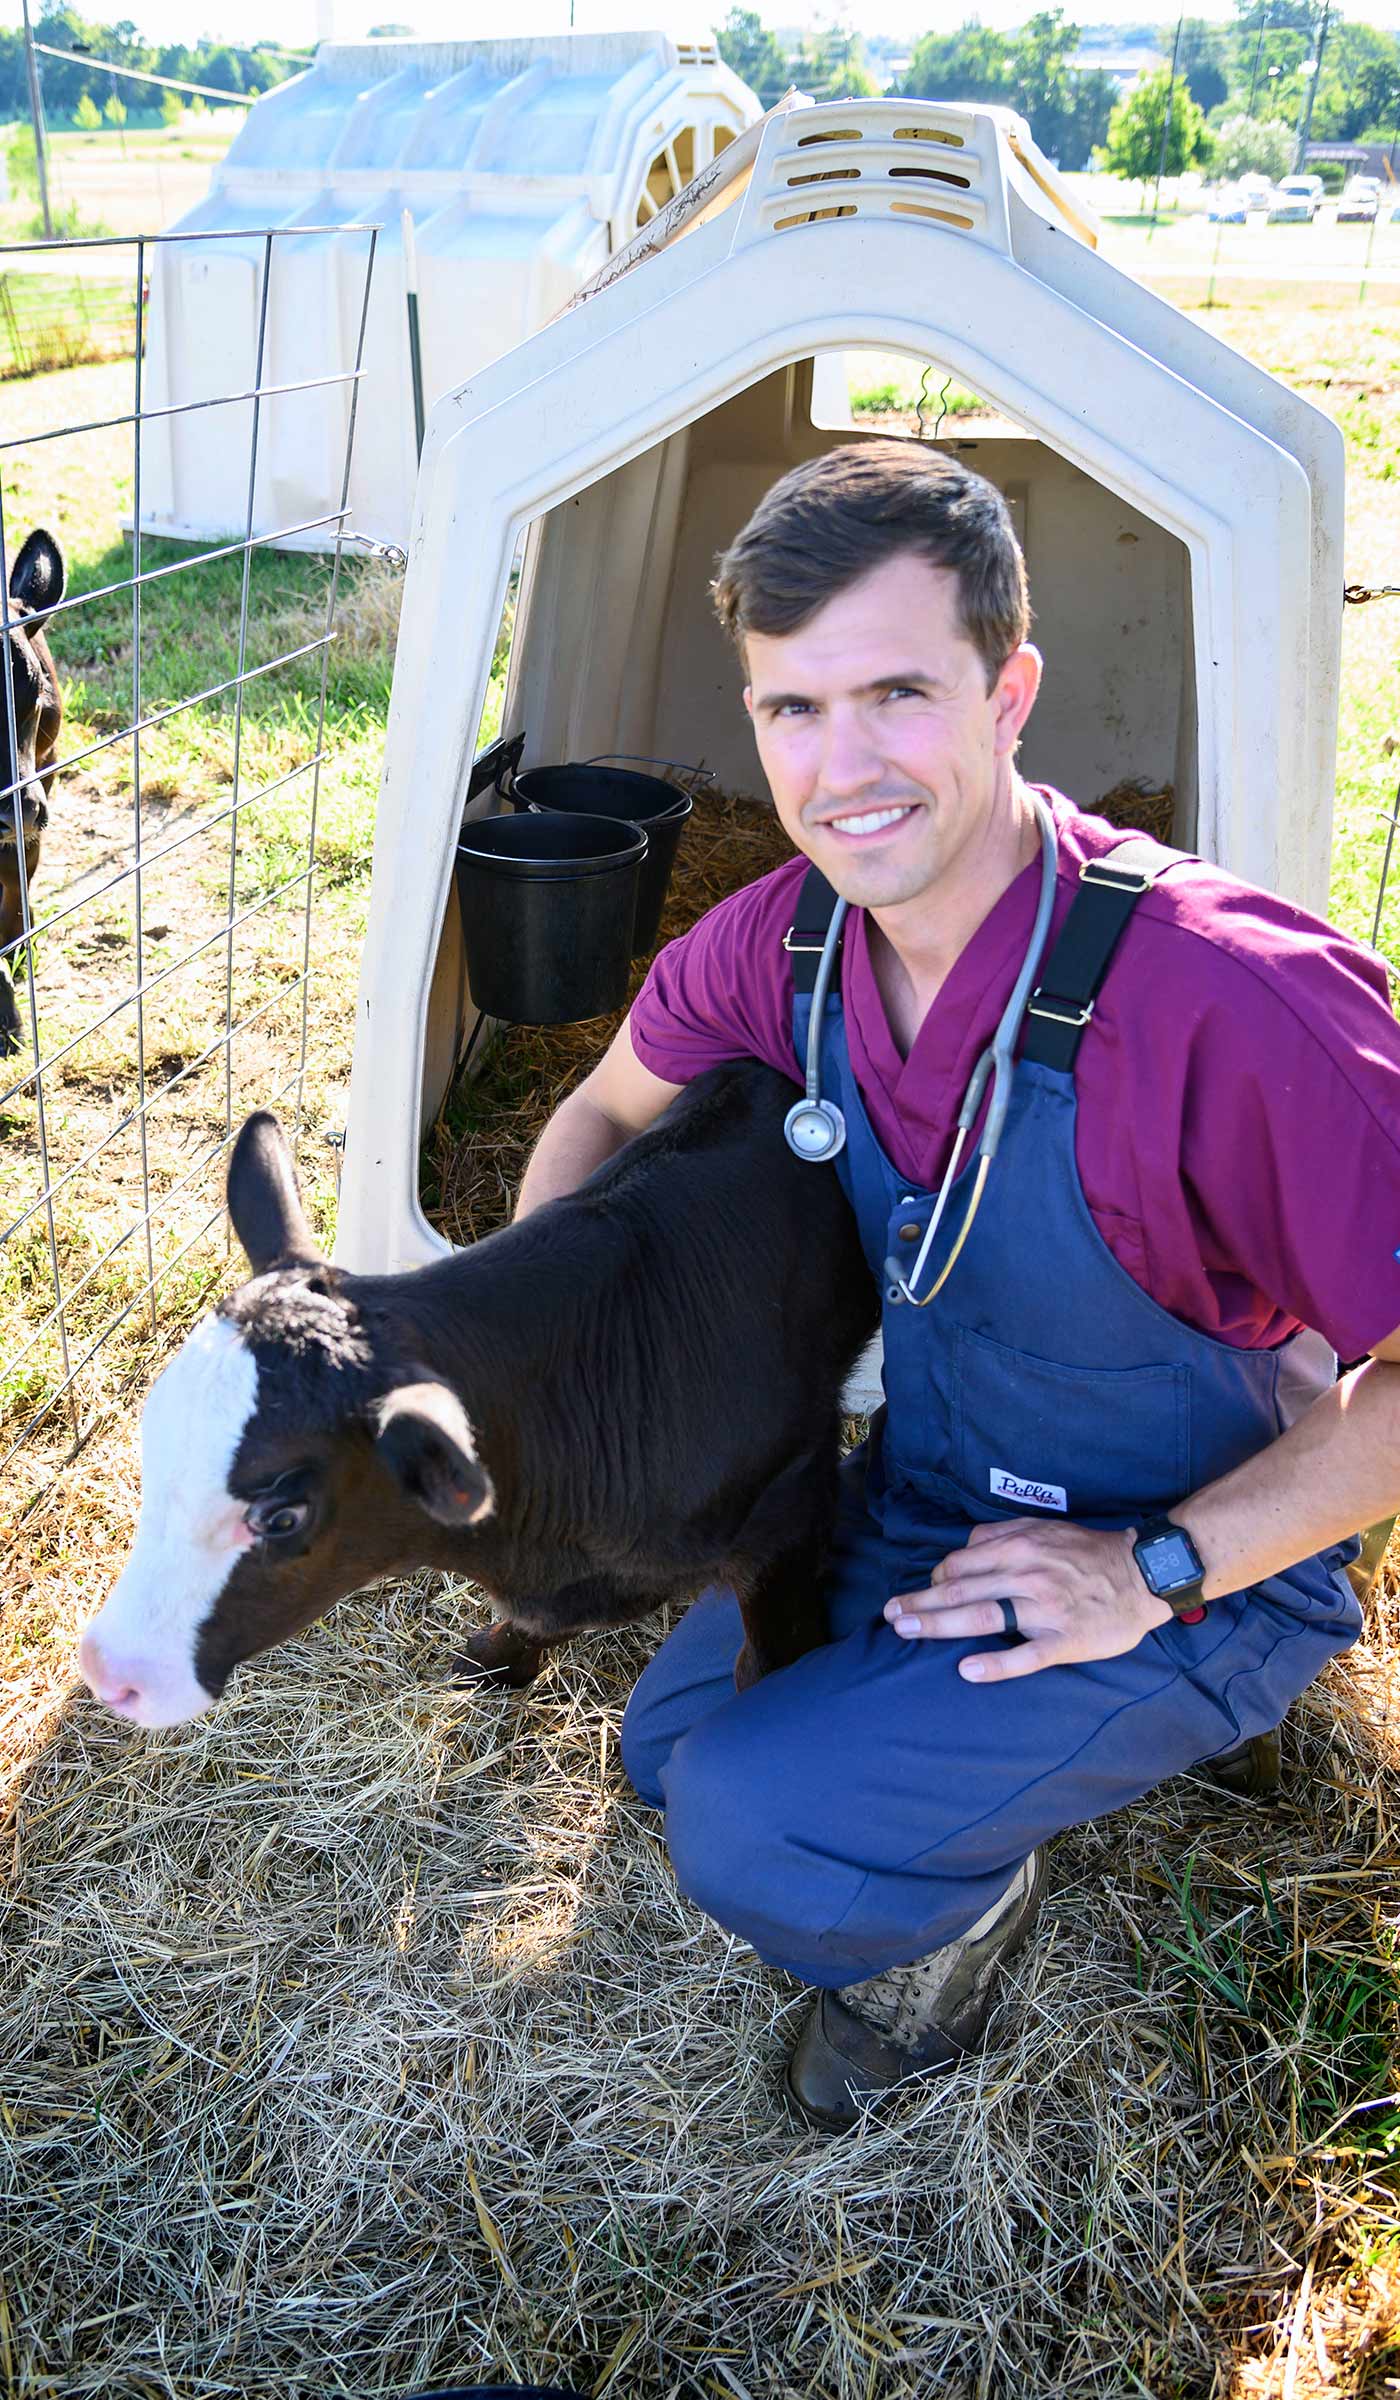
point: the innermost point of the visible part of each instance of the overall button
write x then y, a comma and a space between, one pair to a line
910, 1233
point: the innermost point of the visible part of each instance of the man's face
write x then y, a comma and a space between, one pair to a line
888, 759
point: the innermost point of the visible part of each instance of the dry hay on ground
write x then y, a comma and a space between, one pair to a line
356, 2038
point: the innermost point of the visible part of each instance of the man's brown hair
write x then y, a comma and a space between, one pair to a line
835, 518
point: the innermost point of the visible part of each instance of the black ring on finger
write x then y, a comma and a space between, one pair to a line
1008, 1616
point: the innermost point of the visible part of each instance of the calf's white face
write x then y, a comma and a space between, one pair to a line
293, 1451
138, 1653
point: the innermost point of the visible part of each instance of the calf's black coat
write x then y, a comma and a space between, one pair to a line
28, 749
631, 1394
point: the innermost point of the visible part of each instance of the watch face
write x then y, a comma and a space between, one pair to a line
1170, 1563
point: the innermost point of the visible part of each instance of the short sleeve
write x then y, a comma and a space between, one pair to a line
724, 989
1291, 1163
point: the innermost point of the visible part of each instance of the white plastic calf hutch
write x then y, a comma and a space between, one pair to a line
1181, 512
524, 164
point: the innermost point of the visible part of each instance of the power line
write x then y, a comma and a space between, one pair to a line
109, 66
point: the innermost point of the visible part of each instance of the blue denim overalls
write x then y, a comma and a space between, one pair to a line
866, 1805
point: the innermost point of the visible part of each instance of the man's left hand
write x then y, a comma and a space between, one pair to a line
1078, 1594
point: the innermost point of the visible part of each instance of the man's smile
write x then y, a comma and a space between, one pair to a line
865, 825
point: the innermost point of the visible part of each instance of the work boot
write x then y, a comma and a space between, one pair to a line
1253, 1770
867, 2037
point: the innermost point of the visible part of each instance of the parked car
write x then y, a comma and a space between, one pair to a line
1235, 204
1258, 192
1296, 201
1360, 202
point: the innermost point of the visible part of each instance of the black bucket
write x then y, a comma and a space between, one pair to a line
607, 791
548, 904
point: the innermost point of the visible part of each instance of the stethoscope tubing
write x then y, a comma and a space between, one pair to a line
996, 1062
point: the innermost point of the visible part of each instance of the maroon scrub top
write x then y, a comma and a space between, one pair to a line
1238, 1134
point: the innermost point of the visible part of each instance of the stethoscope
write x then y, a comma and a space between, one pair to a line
816, 1129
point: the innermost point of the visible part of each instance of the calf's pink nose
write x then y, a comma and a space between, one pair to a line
114, 1680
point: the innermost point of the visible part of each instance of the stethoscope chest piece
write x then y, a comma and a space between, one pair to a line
815, 1129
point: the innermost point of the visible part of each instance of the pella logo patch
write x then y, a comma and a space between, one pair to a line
1027, 1493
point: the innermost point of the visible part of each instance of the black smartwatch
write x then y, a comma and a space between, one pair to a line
1171, 1567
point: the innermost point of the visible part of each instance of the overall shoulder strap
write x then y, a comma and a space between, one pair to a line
1063, 1001
806, 935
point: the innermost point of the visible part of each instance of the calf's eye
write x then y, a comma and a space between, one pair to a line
274, 1520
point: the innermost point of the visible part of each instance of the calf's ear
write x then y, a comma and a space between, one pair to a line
264, 1202
36, 578
427, 1444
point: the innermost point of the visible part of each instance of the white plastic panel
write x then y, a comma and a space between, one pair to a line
1232, 499
521, 161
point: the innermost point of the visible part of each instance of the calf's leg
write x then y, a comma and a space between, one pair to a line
504, 1653
501, 1654
781, 1598
11, 927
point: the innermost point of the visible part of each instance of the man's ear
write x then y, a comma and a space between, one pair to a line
1015, 692
427, 1444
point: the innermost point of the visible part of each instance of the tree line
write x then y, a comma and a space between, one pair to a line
69, 83
1239, 90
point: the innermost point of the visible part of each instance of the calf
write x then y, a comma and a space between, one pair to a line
631, 1394
26, 754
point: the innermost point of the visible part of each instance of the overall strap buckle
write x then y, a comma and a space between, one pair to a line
805, 938
1110, 888
1058, 1012
1102, 871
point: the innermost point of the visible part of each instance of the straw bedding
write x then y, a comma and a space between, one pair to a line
356, 2037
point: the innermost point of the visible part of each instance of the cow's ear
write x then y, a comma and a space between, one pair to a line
427, 1444
36, 578
264, 1202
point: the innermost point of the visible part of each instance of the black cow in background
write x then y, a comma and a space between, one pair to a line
36, 587
631, 1394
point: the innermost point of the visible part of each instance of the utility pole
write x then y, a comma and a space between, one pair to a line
1166, 124
1305, 125
1258, 52
36, 111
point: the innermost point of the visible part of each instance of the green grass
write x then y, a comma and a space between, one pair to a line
1345, 360
207, 136
49, 321
190, 645
1330, 2009
898, 394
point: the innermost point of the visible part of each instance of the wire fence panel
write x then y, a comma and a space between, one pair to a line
59, 321
1390, 818
162, 860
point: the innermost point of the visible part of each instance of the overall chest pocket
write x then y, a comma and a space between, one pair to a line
1037, 1438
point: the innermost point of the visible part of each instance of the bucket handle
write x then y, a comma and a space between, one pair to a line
638, 758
